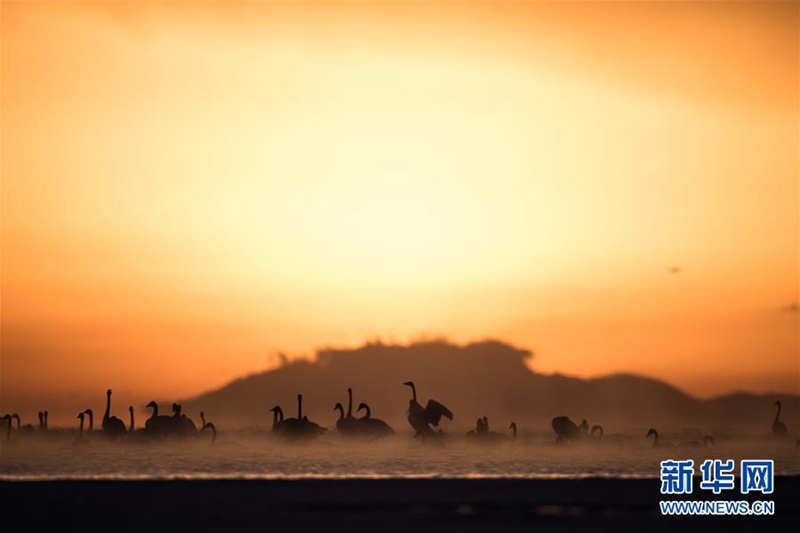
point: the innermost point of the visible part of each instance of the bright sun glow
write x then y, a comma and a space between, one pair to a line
193, 181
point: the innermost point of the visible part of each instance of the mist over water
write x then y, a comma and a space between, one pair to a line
259, 456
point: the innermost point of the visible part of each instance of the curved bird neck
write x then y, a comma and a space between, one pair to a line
107, 414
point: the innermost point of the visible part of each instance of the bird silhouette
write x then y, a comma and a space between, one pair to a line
778, 427
482, 434
373, 427
421, 419
347, 425
157, 426
113, 427
135, 436
308, 428
652, 432
182, 425
565, 429
300, 428
81, 417
26, 430
472, 433
7, 418
277, 419
81, 440
90, 414
513, 428
208, 426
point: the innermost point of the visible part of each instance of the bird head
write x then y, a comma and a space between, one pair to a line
650, 432
361, 406
513, 425
108, 392
777, 402
80, 415
152, 404
338, 406
87, 412
408, 383
130, 408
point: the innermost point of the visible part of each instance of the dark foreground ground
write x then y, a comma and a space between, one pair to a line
375, 505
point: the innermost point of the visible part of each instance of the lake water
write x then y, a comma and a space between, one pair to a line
254, 456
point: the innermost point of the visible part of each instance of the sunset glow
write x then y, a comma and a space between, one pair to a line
190, 189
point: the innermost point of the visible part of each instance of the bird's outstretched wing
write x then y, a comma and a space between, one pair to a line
436, 411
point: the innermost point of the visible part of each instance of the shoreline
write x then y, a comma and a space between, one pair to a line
380, 504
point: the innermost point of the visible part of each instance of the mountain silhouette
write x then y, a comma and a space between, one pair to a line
488, 378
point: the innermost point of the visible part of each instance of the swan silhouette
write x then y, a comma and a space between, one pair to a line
308, 428
7, 418
482, 433
421, 419
26, 430
296, 428
373, 427
347, 424
183, 426
81, 441
472, 433
292, 427
135, 436
513, 428
346, 427
157, 426
277, 419
652, 432
90, 413
209, 427
778, 427
113, 427
565, 429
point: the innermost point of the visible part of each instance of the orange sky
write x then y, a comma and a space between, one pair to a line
190, 188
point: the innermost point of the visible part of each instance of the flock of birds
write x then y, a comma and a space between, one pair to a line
114, 429
422, 419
